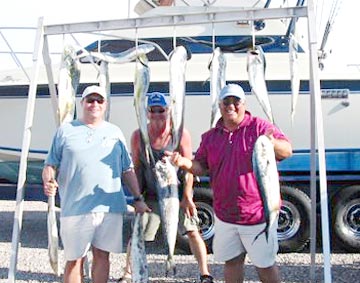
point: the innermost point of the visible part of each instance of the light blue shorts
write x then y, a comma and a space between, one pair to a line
99, 229
232, 240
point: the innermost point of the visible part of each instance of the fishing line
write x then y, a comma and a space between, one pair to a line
213, 32
174, 33
253, 35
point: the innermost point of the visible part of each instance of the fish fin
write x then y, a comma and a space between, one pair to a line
261, 232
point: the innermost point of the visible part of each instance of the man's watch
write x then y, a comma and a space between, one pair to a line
139, 198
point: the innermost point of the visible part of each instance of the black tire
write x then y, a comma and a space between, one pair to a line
346, 219
294, 220
203, 200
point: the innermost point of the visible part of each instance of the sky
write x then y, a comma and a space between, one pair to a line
343, 43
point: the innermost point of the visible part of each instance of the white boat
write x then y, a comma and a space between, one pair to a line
341, 85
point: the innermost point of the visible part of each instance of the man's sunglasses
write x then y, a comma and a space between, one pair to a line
231, 100
156, 110
98, 99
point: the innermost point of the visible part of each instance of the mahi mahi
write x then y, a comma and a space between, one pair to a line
141, 86
118, 58
139, 266
256, 72
267, 176
217, 68
294, 73
69, 78
177, 87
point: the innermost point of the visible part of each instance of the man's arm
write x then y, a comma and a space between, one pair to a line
132, 184
49, 183
187, 202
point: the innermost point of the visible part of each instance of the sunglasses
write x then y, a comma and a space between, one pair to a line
92, 99
234, 100
156, 110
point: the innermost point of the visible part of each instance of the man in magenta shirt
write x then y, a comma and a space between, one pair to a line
225, 154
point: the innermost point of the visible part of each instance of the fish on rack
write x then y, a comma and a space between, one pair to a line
69, 79
294, 73
141, 86
117, 58
267, 176
217, 67
256, 72
177, 87
139, 265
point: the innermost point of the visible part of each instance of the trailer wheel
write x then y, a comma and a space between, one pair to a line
346, 218
294, 220
203, 201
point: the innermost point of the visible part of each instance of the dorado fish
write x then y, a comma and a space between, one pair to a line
69, 78
139, 266
117, 58
294, 73
53, 237
217, 68
167, 192
141, 86
177, 87
267, 176
256, 72
104, 82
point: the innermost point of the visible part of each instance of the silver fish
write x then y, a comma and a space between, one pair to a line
177, 87
267, 176
104, 82
53, 237
69, 78
256, 72
139, 265
217, 68
118, 58
167, 192
294, 73
141, 86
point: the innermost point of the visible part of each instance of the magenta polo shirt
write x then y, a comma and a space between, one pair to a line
228, 158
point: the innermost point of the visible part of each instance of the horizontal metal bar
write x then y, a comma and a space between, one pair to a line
178, 20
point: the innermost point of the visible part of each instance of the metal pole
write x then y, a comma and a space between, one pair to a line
317, 123
25, 152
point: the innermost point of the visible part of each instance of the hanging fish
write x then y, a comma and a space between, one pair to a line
177, 87
217, 68
294, 73
117, 58
256, 72
69, 78
139, 265
141, 86
104, 82
267, 176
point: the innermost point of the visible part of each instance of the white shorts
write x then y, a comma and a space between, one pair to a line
99, 229
231, 240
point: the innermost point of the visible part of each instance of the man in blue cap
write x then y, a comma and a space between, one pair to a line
160, 135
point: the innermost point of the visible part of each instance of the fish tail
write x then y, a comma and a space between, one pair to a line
170, 265
266, 231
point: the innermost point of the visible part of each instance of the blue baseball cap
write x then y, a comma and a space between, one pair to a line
232, 90
156, 99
